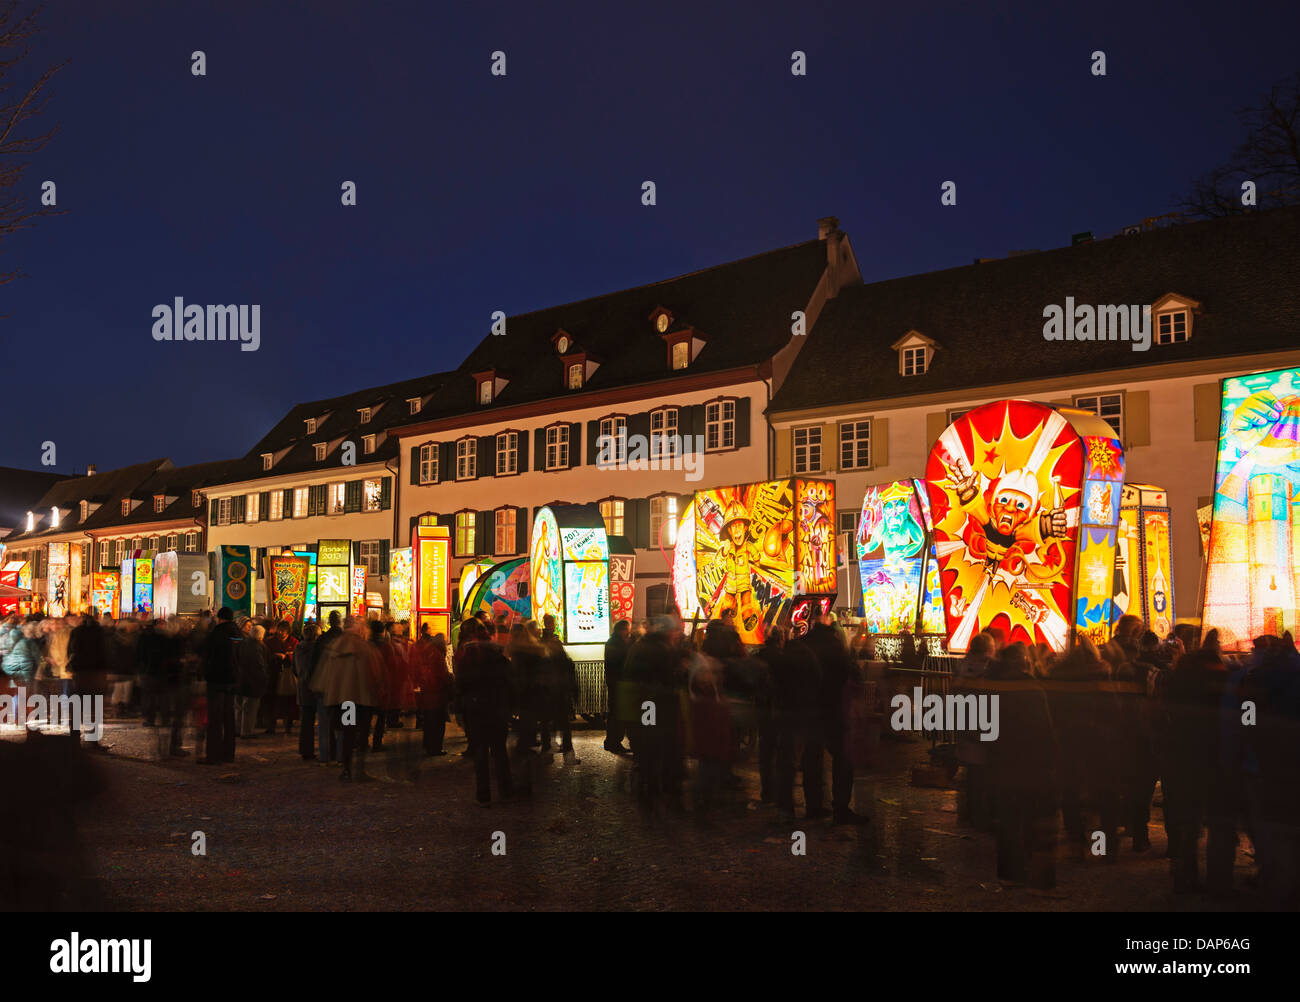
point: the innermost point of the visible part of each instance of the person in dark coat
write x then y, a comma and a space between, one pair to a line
560, 685
651, 673
1022, 771
218, 655
429, 666
483, 689
308, 702
761, 686
616, 650
838, 669
796, 715
88, 665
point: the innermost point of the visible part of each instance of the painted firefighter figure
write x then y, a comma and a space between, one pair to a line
736, 552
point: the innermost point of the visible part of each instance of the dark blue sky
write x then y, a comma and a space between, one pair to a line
478, 193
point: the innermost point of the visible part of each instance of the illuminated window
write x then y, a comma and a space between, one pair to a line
557, 447
311, 425
914, 361
370, 556
300, 502
855, 445
661, 323
252, 507
720, 425
413, 405
507, 454
1171, 327
1107, 406
506, 539
196, 498
85, 510
368, 444
613, 440
663, 512
612, 512
126, 509
429, 463
372, 495
485, 392
465, 534
223, 511
681, 354
171, 541
266, 460
277, 506
575, 376
664, 443
337, 498
320, 451
151, 543
365, 415
808, 449
467, 459
191, 542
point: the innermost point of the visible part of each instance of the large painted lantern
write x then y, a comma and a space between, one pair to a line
12, 576
1144, 580
569, 572
401, 581
333, 578
137, 583
1025, 504
180, 583
760, 546
1252, 584
896, 558
235, 575
468, 575
104, 587
431, 559
59, 582
683, 567
501, 591
286, 589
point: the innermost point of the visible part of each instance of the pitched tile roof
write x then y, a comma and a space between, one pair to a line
741, 310
987, 318
175, 483
68, 494
20, 490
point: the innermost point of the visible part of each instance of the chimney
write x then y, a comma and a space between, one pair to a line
90, 469
826, 226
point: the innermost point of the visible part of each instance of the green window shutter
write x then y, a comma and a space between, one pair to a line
356, 554
415, 464
575, 444
1205, 412
352, 496
384, 554
212, 512
523, 452
742, 422
521, 530
484, 533
386, 494
264, 505
288, 502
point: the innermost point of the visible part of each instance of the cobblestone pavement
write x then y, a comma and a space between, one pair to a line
286, 835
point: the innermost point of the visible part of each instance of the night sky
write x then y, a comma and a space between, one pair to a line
478, 193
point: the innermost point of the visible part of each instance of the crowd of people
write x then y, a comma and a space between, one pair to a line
1086, 737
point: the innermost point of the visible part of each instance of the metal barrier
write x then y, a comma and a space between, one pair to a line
934, 677
593, 700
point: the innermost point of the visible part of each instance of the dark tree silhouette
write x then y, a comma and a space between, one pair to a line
20, 104
1269, 156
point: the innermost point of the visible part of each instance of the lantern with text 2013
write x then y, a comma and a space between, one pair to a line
1252, 584
1024, 499
569, 572
430, 551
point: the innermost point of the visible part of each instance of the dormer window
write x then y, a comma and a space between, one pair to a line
368, 444
1171, 318
85, 510
365, 415
266, 460
311, 426
54, 518
661, 319
413, 405
320, 451
126, 507
562, 344
681, 354
196, 498
485, 392
573, 377
915, 352
31, 521
159, 502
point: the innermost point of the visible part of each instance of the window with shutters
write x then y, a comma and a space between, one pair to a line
191, 542
720, 425
663, 520
277, 506
137, 543
557, 447
504, 519
507, 453
664, 443
612, 443
300, 502
320, 451
1107, 406
223, 511
855, 445
370, 556
467, 459
372, 492
612, 512
171, 541
151, 543
429, 463
337, 494
808, 449
465, 533
252, 508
